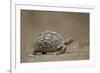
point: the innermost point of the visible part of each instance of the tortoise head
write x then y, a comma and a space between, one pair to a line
68, 42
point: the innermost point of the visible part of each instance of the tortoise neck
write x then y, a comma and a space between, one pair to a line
68, 42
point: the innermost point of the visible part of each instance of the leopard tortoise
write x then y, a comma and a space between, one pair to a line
50, 42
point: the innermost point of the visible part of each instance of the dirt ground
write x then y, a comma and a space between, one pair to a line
67, 24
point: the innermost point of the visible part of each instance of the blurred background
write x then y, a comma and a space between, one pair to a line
68, 24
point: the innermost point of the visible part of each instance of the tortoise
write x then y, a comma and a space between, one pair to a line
50, 42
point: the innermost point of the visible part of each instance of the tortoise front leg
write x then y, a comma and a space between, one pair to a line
61, 50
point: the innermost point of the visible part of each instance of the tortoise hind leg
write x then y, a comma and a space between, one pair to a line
34, 53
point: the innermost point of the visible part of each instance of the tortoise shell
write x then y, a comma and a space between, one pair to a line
49, 42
